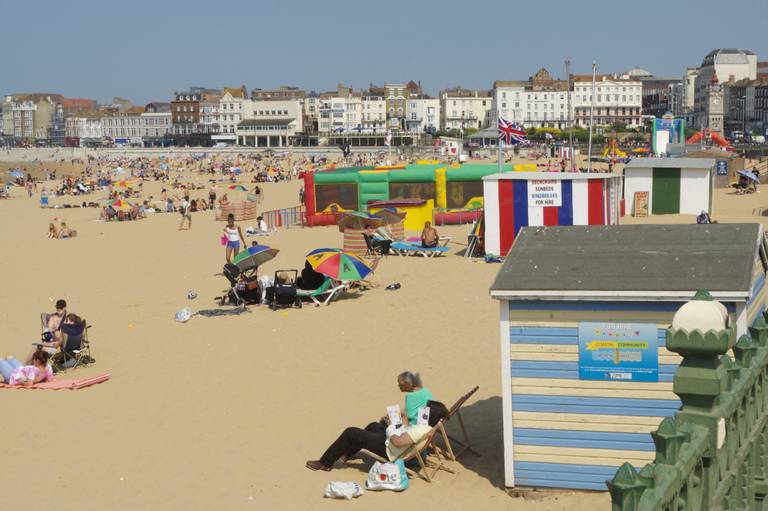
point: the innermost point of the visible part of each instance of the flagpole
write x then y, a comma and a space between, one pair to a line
499, 150
591, 117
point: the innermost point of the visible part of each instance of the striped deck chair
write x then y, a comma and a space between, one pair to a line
465, 444
420, 452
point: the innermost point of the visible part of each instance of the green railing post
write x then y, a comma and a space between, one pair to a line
626, 488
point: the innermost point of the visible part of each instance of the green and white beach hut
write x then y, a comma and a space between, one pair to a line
585, 372
673, 185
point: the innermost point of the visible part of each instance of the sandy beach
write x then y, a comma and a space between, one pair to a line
222, 412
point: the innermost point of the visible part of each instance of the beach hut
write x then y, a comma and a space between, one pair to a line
659, 186
519, 199
585, 373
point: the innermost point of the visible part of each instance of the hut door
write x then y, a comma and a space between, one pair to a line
666, 192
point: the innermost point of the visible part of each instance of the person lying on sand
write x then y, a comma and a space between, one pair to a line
13, 373
387, 441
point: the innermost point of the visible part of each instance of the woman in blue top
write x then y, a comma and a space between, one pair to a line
416, 395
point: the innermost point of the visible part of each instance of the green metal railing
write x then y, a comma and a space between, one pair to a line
713, 454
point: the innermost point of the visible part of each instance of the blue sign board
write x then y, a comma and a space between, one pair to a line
618, 351
722, 168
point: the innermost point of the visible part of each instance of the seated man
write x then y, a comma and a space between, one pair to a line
388, 442
378, 242
429, 236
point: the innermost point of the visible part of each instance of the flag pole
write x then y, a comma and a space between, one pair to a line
499, 151
591, 117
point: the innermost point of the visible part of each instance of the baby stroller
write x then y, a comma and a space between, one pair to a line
244, 285
283, 294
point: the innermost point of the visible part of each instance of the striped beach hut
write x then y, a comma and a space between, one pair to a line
518, 199
670, 185
585, 372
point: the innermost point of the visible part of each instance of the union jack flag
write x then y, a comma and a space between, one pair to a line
511, 133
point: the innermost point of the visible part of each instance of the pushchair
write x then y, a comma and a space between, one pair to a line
244, 287
283, 294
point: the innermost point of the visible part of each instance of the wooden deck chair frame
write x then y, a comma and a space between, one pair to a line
465, 444
60, 360
420, 452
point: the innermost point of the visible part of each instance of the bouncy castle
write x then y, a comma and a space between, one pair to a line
420, 188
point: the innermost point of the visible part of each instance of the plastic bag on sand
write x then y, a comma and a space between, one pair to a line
343, 490
387, 476
183, 315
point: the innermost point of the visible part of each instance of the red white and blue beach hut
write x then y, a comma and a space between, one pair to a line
515, 200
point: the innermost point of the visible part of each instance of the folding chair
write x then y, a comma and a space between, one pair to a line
75, 351
419, 451
372, 250
465, 445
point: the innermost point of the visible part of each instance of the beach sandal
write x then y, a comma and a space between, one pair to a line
394, 286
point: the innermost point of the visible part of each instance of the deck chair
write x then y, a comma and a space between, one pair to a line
464, 444
75, 351
371, 249
420, 452
405, 248
329, 287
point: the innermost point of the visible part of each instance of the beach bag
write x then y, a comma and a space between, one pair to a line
183, 315
343, 490
387, 476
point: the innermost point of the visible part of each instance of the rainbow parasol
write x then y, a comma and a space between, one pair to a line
337, 264
237, 188
120, 204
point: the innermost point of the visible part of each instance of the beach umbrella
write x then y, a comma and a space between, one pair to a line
337, 264
237, 188
749, 175
124, 183
16, 173
120, 204
389, 216
358, 220
254, 256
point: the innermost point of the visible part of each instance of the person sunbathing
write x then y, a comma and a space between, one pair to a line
429, 236
386, 441
38, 370
66, 232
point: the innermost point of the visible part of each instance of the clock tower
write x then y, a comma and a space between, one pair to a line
715, 108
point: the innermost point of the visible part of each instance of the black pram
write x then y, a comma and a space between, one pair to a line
244, 285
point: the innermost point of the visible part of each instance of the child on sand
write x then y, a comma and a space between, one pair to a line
14, 373
52, 232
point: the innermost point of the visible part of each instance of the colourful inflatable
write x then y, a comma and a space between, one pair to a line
456, 190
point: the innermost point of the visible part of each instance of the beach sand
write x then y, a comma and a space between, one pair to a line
222, 412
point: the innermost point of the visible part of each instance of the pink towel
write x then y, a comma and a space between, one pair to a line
59, 384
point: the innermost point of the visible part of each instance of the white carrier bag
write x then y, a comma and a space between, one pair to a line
387, 476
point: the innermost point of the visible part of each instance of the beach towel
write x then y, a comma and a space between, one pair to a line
60, 384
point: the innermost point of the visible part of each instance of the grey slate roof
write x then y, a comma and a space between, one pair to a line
673, 163
716, 257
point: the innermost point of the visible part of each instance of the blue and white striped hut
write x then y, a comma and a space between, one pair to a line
585, 372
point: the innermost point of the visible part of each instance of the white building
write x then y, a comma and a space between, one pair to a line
209, 114
618, 101
423, 115
353, 112
123, 127
155, 125
88, 129
229, 115
19, 117
540, 101
269, 123
461, 109
726, 65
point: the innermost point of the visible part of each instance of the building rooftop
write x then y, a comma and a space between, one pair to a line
670, 163
626, 260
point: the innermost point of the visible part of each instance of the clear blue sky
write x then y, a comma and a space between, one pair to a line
144, 50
